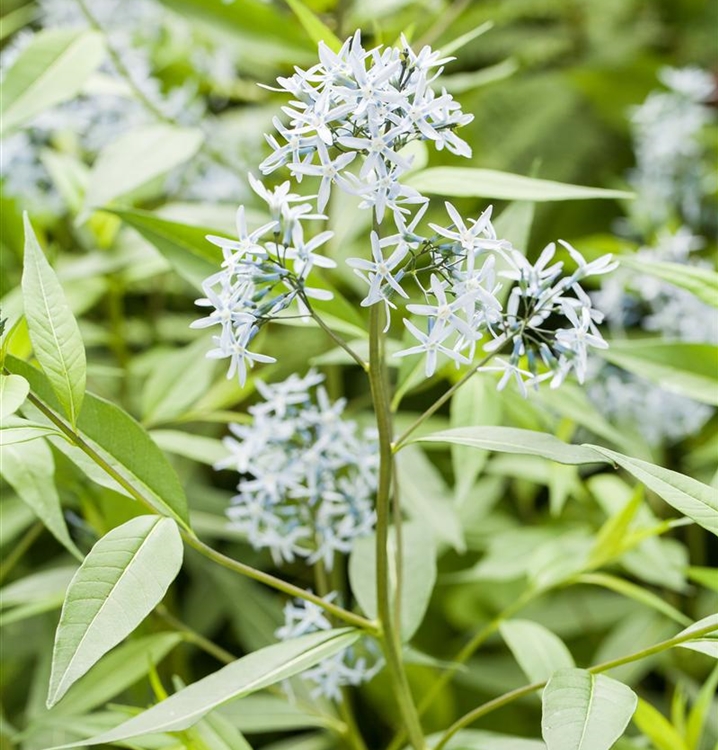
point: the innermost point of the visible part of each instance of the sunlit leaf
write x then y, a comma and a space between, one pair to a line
13, 392
316, 29
123, 578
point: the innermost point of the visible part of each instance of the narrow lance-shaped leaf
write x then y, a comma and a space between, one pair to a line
30, 470
53, 329
247, 675
488, 183
538, 651
50, 70
121, 581
704, 644
316, 29
584, 711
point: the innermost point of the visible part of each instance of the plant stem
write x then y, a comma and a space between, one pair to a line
190, 537
605, 666
20, 549
398, 444
378, 378
192, 636
338, 340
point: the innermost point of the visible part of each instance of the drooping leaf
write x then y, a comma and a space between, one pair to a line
30, 470
123, 578
185, 246
50, 70
704, 644
514, 440
136, 158
418, 574
242, 677
14, 430
468, 182
121, 444
13, 392
538, 651
681, 367
54, 332
700, 281
584, 711
316, 29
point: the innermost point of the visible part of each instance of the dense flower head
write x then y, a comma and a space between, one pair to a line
369, 104
345, 668
308, 475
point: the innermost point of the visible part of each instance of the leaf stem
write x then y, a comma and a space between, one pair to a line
605, 666
378, 379
191, 538
402, 440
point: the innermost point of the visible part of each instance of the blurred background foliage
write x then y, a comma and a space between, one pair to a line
551, 85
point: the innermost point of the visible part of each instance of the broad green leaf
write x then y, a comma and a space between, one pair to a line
657, 728
684, 368
178, 380
538, 651
488, 183
114, 673
247, 675
50, 70
123, 578
14, 430
473, 405
316, 29
704, 644
514, 440
185, 246
120, 443
13, 392
54, 333
418, 574
30, 470
37, 586
691, 497
584, 711
136, 158
700, 281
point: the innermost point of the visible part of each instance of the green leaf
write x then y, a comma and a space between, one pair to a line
687, 369
657, 728
185, 246
200, 448
14, 430
50, 70
473, 405
114, 673
704, 644
466, 182
514, 440
699, 713
54, 333
270, 713
13, 392
418, 574
702, 282
691, 497
123, 578
247, 675
316, 29
538, 651
584, 711
119, 442
611, 536
469, 36
136, 158
478, 739
44, 584
704, 576
30, 470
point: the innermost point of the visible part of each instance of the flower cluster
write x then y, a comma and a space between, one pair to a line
308, 476
369, 103
670, 176
343, 669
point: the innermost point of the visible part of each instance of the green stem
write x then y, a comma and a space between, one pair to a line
192, 636
463, 656
401, 441
193, 541
378, 378
338, 340
605, 666
20, 549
